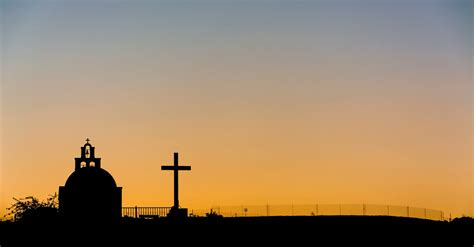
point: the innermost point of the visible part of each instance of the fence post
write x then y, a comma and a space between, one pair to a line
317, 209
136, 212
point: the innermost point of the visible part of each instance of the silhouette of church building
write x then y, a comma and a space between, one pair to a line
90, 192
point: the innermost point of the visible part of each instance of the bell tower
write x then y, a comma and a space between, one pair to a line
87, 158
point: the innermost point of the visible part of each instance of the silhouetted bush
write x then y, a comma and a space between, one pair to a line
463, 221
31, 209
213, 214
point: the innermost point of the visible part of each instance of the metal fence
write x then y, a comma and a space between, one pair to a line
145, 212
324, 209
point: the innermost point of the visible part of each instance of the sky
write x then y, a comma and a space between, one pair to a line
269, 101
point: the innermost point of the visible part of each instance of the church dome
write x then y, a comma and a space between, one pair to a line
90, 193
90, 177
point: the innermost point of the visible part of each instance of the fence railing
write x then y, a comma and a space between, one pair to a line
145, 212
324, 209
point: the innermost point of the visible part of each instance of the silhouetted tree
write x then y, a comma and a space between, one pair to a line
31, 209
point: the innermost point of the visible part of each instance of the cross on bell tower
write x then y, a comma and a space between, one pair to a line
87, 158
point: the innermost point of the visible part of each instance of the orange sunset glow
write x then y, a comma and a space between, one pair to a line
269, 102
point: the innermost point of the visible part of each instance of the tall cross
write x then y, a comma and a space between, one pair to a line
175, 168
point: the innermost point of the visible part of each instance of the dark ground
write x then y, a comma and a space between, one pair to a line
248, 231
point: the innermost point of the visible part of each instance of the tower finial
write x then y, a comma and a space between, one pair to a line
87, 140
